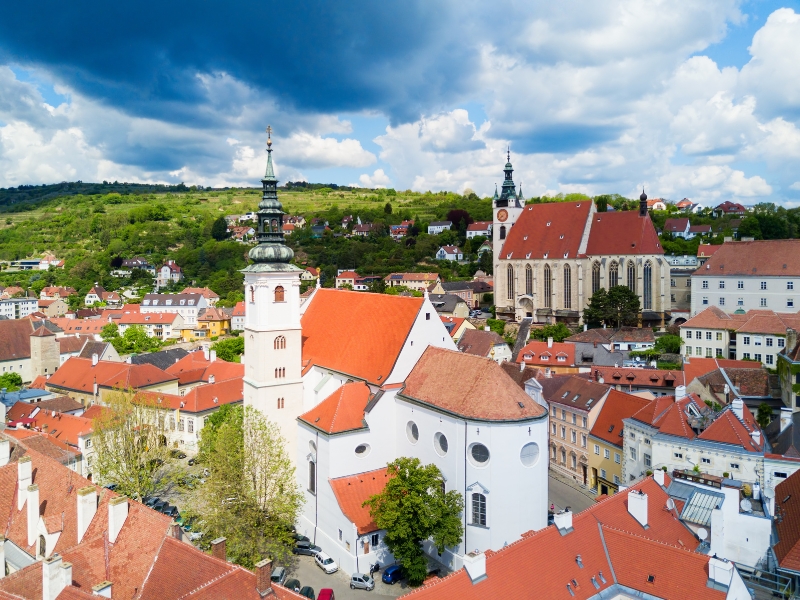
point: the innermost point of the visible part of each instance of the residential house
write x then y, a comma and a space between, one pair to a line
554, 357
456, 326
288, 228
684, 204
103, 350
363, 230
67, 326
658, 382
449, 253
201, 367
479, 228
244, 233
462, 289
187, 306
486, 344
55, 292
606, 441
139, 263
753, 386
749, 275
12, 291
413, 281
53, 308
574, 408
168, 273
728, 208
18, 308
482, 292
98, 294
309, 274
485, 247
346, 278
656, 204
250, 216
437, 227
49, 260
159, 325
699, 230
211, 296
678, 227
623, 339
704, 252
211, 322
237, 318
449, 305
347, 221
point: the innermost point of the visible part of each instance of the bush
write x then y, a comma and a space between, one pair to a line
496, 325
726, 474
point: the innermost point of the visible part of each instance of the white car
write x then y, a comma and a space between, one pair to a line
326, 563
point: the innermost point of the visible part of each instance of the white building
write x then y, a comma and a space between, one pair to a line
749, 275
160, 325
479, 228
437, 227
168, 273
449, 253
18, 308
188, 306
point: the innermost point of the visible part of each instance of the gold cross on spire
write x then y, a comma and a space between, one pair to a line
269, 135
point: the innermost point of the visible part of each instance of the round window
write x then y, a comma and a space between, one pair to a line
529, 455
312, 446
362, 450
412, 431
479, 454
440, 443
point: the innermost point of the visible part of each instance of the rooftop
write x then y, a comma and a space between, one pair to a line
351, 492
608, 425
479, 342
342, 411
775, 258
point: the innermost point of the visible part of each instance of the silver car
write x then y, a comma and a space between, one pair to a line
278, 575
362, 581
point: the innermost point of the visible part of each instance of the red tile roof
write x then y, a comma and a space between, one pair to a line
351, 492
78, 374
72, 326
205, 292
638, 377
676, 225
704, 250
357, 333
618, 406
63, 427
577, 392
15, 340
695, 367
72, 344
623, 233
728, 429
552, 229
201, 398
238, 310
481, 391
779, 258
787, 522
213, 314
342, 411
150, 318
539, 353
194, 367
479, 342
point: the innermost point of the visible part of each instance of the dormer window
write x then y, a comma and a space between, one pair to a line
183, 302
155, 302
191, 302
169, 302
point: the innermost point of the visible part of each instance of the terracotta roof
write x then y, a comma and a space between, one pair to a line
676, 225
779, 258
347, 275
577, 392
638, 377
551, 229
729, 206
351, 492
479, 226
618, 405
149, 318
94, 411
201, 398
15, 340
238, 310
38, 383
520, 376
787, 523
481, 391
194, 367
342, 411
72, 326
213, 314
700, 229
78, 374
451, 249
43, 331
728, 429
479, 342
714, 318
538, 353
73, 344
357, 333
622, 233
64, 427
704, 250
205, 292
44, 443
746, 382
775, 323
58, 404
695, 367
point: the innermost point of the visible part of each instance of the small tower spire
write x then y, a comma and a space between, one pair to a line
643, 204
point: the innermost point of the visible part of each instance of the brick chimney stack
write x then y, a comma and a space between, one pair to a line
264, 577
218, 549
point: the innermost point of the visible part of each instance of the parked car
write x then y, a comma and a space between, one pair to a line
159, 505
278, 575
392, 574
148, 501
475, 314
194, 535
171, 511
300, 538
192, 461
306, 548
111, 486
177, 454
326, 563
307, 591
326, 594
362, 581
292, 584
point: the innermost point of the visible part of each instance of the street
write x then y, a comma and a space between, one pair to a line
563, 494
308, 573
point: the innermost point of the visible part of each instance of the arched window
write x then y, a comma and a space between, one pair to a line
42, 546
567, 287
280, 343
647, 285
252, 294
613, 275
510, 282
280, 402
274, 225
528, 280
312, 477
563, 457
595, 277
479, 509
279, 294
502, 232
548, 287
631, 276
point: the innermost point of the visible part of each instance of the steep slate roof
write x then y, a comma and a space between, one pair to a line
479, 342
78, 374
342, 411
481, 391
780, 258
787, 508
576, 392
534, 353
162, 359
445, 302
357, 333
352, 491
14, 339
618, 405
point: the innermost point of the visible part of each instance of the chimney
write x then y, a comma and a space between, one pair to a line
95, 358
2, 556
102, 589
549, 342
563, 521
264, 577
475, 566
218, 549
56, 575
786, 418
33, 513
117, 513
637, 506
487, 328
213, 355
206, 354
211, 379
720, 570
756, 435
5, 453
24, 478
658, 475
87, 507
737, 406
680, 392
176, 531
791, 340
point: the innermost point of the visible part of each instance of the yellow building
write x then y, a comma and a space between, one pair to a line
212, 322
606, 441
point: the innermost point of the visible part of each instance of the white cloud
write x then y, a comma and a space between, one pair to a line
795, 186
378, 179
313, 151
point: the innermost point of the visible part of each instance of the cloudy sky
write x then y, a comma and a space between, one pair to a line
689, 98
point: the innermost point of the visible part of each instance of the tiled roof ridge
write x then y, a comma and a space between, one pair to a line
338, 404
152, 563
647, 539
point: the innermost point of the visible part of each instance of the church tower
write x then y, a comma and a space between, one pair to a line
507, 208
272, 334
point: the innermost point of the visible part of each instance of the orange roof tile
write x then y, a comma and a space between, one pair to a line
194, 367
539, 353
63, 427
638, 376
704, 250
357, 333
695, 367
552, 229
78, 374
351, 492
342, 411
787, 525
621, 233
779, 258
618, 406
200, 398
728, 429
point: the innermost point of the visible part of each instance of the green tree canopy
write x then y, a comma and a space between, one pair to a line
219, 230
559, 332
617, 307
764, 415
229, 350
412, 508
10, 381
668, 344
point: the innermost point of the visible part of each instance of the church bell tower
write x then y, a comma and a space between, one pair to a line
507, 208
272, 334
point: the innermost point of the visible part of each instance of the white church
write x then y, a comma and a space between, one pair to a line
355, 380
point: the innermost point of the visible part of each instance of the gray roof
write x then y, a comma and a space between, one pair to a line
445, 302
162, 360
176, 298
440, 223
456, 286
90, 348
699, 506
786, 442
587, 354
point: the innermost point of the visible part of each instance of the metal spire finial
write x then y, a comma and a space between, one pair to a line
508, 155
269, 136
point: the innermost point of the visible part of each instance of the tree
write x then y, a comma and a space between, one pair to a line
459, 218
388, 208
251, 496
229, 350
10, 381
596, 311
412, 508
618, 307
750, 227
378, 286
668, 344
219, 230
130, 444
559, 332
763, 415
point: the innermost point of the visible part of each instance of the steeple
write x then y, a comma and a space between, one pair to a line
508, 195
270, 250
643, 204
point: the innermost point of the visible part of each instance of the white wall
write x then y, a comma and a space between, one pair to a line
777, 293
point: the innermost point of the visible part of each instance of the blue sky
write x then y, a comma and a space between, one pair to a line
690, 98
